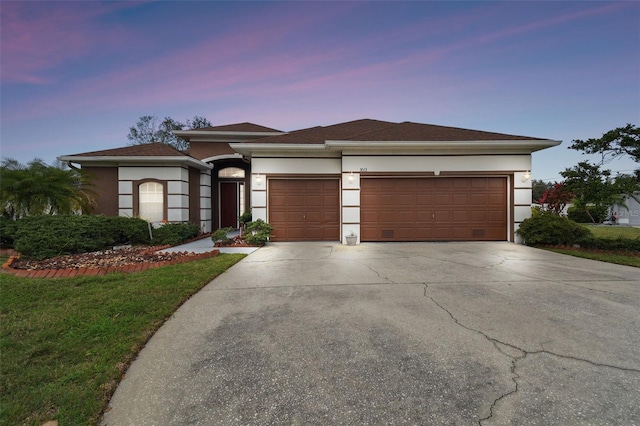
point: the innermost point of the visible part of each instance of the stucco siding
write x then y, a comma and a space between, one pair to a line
176, 187
125, 187
522, 196
350, 197
160, 173
125, 201
475, 163
295, 166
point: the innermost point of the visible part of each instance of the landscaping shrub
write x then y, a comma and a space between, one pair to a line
221, 235
129, 230
258, 233
42, 237
245, 217
619, 244
598, 213
174, 233
8, 228
550, 228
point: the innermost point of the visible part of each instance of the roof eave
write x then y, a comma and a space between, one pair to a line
222, 136
118, 159
470, 147
249, 149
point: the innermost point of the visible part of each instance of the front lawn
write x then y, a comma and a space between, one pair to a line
66, 342
618, 258
614, 231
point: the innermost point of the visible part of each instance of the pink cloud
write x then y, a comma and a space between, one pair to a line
37, 37
249, 62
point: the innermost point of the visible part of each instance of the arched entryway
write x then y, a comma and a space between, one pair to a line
230, 190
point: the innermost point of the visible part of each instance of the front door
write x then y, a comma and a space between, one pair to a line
229, 204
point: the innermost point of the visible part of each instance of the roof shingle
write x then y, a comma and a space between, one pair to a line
156, 149
238, 127
408, 131
320, 134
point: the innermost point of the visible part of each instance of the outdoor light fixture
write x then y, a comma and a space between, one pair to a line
258, 179
526, 176
351, 177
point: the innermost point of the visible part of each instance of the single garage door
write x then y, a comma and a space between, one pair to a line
433, 209
304, 209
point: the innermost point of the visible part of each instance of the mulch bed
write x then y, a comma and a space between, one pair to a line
133, 259
98, 259
237, 241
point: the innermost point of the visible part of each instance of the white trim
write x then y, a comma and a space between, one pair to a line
338, 147
143, 159
234, 156
468, 147
247, 149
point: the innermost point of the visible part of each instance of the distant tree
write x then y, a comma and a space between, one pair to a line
620, 142
198, 122
149, 129
593, 186
538, 187
38, 188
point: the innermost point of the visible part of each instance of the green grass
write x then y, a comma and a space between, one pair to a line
65, 343
613, 232
618, 258
607, 233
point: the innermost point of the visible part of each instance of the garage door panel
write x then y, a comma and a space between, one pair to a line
405, 200
406, 216
460, 199
497, 183
462, 183
424, 199
442, 183
480, 183
441, 199
304, 209
387, 200
423, 209
478, 199
495, 199
460, 216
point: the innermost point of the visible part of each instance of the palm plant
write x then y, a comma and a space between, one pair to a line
38, 188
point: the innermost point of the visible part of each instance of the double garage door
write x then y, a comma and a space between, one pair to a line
393, 209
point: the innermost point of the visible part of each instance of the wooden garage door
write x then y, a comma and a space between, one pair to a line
304, 209
434, 209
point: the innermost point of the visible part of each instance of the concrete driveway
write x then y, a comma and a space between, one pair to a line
396, 333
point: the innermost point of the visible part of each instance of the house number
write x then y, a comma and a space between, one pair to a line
363, 169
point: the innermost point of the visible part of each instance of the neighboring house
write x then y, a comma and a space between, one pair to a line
629, 214
384, 181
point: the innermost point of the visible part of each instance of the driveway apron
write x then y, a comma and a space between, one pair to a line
396, 333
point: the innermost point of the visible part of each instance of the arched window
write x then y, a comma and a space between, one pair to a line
231, 172
151, 201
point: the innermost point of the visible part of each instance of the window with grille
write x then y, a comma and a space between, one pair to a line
151, 201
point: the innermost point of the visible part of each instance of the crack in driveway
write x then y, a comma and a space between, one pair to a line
516, 354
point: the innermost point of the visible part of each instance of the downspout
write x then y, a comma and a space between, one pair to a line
71, 166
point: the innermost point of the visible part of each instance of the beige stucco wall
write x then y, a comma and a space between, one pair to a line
177, 195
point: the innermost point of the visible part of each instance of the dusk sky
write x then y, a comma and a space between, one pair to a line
76, 75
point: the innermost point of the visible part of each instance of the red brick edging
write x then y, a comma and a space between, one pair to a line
182, 257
